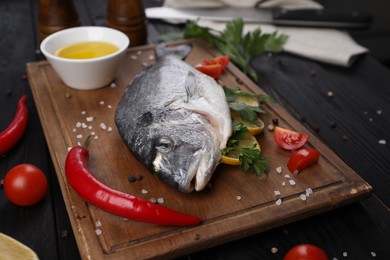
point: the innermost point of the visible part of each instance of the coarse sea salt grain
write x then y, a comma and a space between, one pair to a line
379, 112
74, 130
302, 197
96, 137
345, 254
98, 223
78, 124
84, 125
287, 176
277, 193
309, 191
101, 102
83, 112
89, 118
98, 231
103, 126
279, 169
113, 85
133, 57
382, 141
238, 197
109, 106
109, 129
90, 127
93, 133
373, 254
69, 148
292, 182
278, 202
144, 191
79, 136
79, 143
160, 200
283, 183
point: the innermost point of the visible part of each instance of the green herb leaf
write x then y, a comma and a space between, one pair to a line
239, 133
231, 41
250, 158
233, 94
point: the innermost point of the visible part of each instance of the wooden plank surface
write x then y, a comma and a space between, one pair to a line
225, 217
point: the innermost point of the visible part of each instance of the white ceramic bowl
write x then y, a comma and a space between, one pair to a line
85, 73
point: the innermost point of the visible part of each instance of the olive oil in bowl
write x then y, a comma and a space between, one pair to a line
86, 50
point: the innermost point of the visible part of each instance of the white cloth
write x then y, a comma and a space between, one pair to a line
326, 45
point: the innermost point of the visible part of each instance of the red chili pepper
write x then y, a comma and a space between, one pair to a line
114, 201
15, 130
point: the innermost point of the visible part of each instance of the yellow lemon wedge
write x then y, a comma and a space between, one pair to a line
250, 101
13, 249
232, 158
254, 128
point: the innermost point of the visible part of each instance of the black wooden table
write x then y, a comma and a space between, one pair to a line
351, 122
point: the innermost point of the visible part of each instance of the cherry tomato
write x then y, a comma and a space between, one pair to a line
306, 252
223, 60
213, 70
25, 185
288, 139
302, 159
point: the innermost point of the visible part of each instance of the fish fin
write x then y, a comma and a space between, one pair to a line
180, 51
192, 89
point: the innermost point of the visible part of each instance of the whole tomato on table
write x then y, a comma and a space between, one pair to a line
306, 252
25, 185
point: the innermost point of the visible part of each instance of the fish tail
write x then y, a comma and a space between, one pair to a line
181, 51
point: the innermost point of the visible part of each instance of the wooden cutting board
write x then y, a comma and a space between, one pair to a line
238, 204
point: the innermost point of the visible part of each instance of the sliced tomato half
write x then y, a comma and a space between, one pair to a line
213, 70
289, 140
301, 159
223, 60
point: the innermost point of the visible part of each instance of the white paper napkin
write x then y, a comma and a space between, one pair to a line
326, 45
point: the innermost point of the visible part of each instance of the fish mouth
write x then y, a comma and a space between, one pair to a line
199, 172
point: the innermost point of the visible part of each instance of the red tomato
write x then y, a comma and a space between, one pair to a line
306, 252
223, 60
25, 185
302, 159
288, 139
213, 70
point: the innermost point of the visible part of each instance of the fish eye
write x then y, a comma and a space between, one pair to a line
164, 144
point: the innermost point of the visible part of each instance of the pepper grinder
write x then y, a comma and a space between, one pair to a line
128, 16
56, 15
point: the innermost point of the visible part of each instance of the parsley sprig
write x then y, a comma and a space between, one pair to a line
250, 156
246, 112
239, 47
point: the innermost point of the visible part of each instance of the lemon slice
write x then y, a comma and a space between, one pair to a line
12, 249
232, 158
254, 128
250, 101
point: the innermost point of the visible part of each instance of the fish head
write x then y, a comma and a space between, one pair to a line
185, 155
